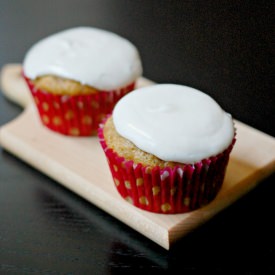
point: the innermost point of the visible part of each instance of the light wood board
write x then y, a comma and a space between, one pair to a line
80, 165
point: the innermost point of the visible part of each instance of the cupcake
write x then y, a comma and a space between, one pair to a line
76, 77
167, 147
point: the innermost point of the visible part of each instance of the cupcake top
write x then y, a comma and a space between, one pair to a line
91, 56
174, 122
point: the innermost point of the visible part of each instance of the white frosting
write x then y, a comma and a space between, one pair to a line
173, 122
91, 56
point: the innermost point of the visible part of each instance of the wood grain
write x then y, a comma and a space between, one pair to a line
79, 165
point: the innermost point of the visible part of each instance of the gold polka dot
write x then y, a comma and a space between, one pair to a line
45, 106
186, 201
45, 119
148, 170
69, 115
36, 100
115, 168
80, 104
56, 105
143, 200
139, 182
74, 132
127, 184
155, 190
57, 121
95, 104
110, 99
129, 199
116, 182
100, 117
87, 120
165, 207
173, 191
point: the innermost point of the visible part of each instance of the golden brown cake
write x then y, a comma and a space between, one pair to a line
62, 86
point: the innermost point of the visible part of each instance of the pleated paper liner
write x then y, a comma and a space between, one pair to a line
167, 190
77, 115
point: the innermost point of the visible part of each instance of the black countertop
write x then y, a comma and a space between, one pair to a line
223, 49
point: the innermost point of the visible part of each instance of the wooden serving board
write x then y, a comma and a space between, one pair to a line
79, 164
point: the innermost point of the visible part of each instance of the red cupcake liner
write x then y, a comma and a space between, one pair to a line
167, 190
77, 115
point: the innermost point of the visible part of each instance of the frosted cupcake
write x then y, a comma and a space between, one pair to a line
76, 77
168, 147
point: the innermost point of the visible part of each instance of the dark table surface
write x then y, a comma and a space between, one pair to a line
221, 47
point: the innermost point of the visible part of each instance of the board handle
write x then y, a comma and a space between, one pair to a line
15, 88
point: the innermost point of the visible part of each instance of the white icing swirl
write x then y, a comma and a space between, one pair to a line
174, 122
91, 56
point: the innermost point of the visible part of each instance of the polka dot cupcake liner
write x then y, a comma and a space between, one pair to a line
77, 115
167, 190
